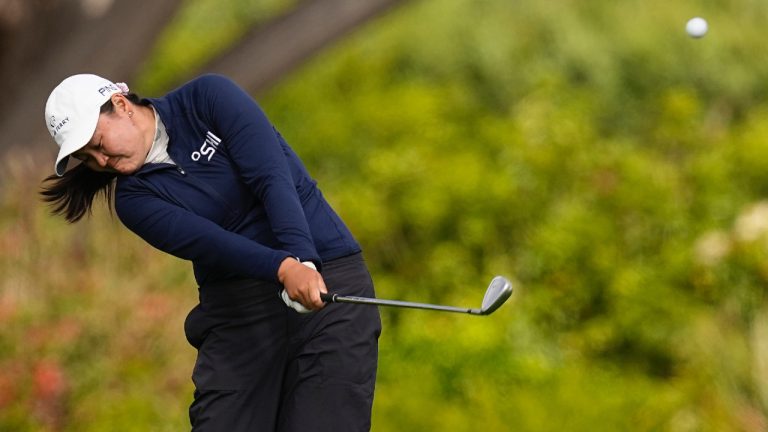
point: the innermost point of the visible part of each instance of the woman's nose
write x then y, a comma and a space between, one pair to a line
102, 159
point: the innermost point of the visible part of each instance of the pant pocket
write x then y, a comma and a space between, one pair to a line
196, 327
212, 410
234, 353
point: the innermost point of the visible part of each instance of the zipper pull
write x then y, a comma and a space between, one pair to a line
178, 167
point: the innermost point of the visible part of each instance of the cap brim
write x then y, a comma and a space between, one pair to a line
61, 166
75, 142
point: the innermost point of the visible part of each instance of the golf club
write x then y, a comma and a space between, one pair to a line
497, 293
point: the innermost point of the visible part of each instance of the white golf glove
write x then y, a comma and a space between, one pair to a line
298, 307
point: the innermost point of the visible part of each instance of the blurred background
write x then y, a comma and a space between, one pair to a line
615, 169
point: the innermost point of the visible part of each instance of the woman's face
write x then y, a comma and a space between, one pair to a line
118, 144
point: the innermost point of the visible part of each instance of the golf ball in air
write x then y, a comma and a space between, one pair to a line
696, 27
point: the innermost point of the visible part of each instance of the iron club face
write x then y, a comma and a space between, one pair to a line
497, 293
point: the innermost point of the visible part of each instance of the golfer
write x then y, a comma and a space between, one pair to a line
202, 174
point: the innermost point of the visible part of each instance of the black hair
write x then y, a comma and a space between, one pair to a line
72, 194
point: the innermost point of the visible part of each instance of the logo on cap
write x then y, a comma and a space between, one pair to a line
107, 88
55, 125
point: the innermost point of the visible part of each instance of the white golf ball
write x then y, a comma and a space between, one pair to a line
696, 27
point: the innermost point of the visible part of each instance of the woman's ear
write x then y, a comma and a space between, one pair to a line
119, 102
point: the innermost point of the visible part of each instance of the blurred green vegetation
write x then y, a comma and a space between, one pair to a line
614, 168
198, 32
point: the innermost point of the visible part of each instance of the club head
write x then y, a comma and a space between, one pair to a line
497, 293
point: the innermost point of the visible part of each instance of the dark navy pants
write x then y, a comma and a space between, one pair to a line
261, 366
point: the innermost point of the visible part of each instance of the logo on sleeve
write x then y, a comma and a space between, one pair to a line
209, 147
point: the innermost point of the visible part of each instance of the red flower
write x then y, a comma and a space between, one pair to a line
49, 380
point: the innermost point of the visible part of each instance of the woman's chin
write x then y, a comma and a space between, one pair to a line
124, 167
124, 170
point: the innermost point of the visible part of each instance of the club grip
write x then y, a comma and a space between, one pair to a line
328, 297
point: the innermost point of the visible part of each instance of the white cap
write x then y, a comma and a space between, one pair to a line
72, 112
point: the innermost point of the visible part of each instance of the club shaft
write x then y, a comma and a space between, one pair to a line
335, 298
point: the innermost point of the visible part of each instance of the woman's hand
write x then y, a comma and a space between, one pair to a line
302, 283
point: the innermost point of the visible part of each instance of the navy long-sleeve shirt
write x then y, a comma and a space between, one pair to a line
239, 200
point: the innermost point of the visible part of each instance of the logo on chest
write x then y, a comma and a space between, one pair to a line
209, 147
